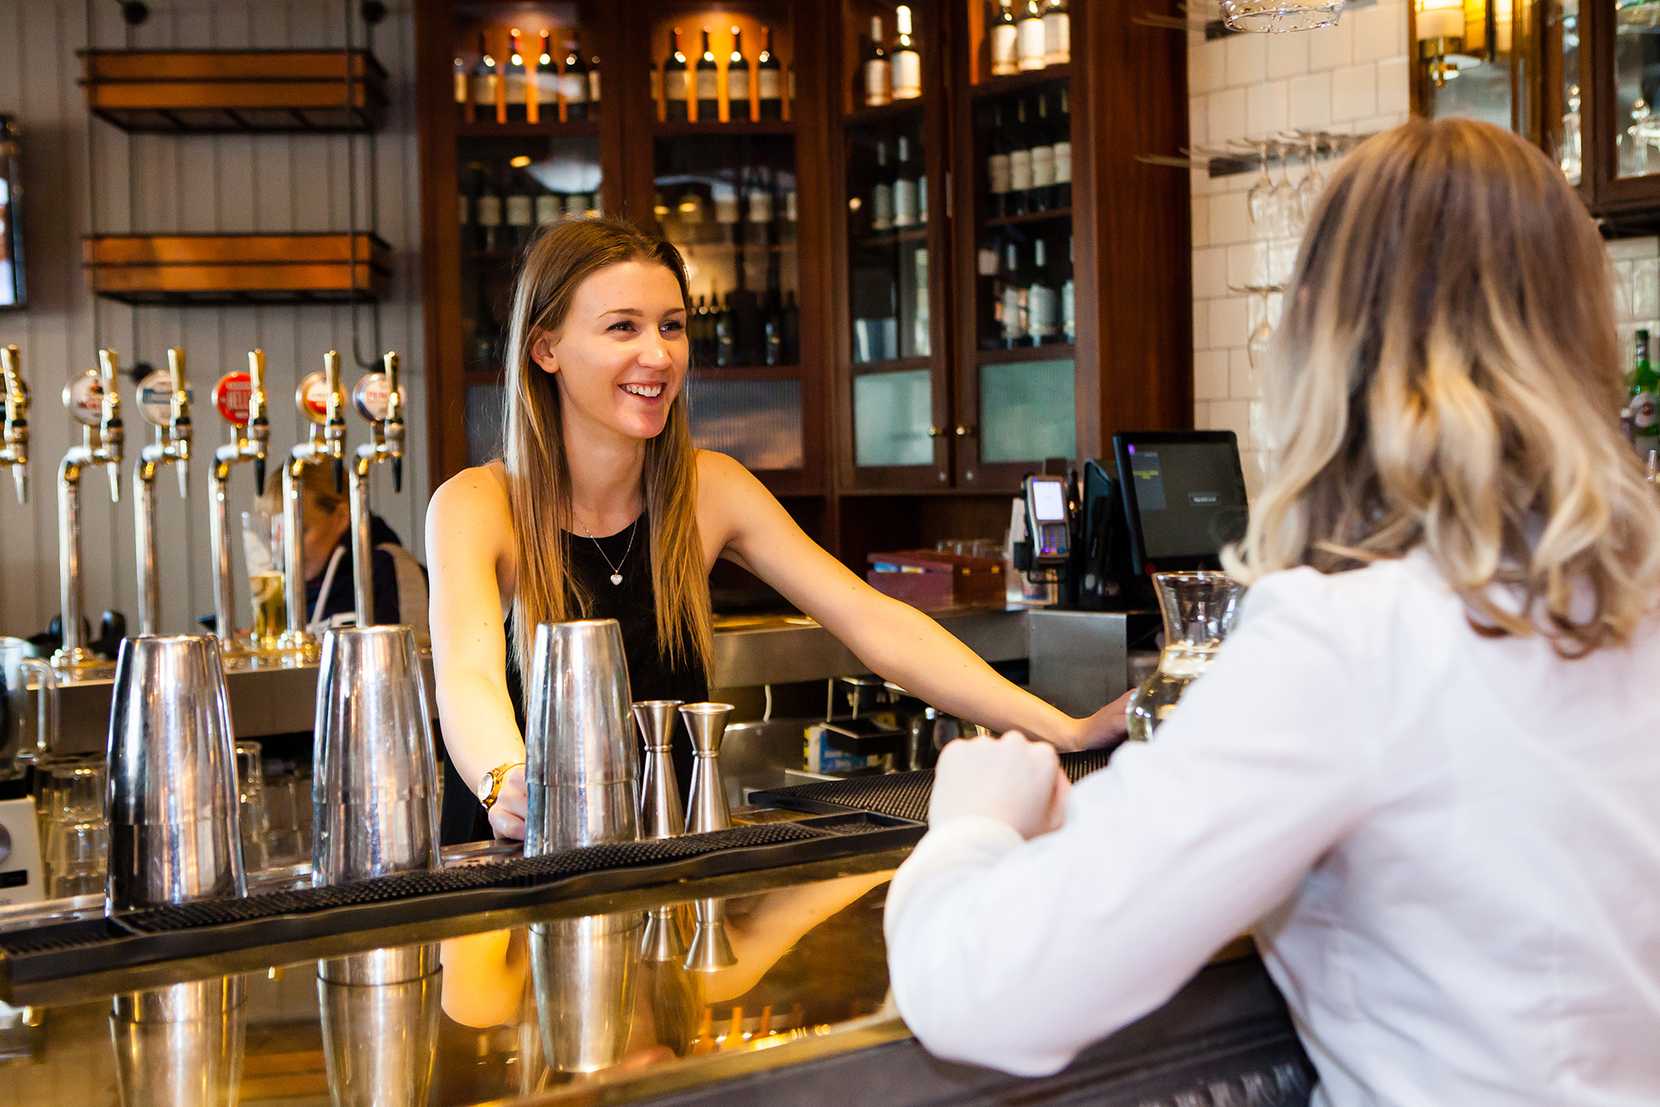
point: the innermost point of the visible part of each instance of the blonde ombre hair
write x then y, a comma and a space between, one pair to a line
538, 473
1448, 377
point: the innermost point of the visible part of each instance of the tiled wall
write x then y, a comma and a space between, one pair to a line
1352, 78
1636, 286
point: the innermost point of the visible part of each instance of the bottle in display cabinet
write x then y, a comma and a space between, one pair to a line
520, 209
877, 75
488, 210
907, 178
904, 63
463, 87
881, 196
484, 84
1063, 153
1069, 307
997, 165
707, 82
593, 83
737, 80
1029, 47
1005, 39
1014, 289
1043, 156
674, 95
1644, 408
770, 79
516, 84
789, 329
1057, 33
988, 296
574, 84
544, 83
1020, 164
1042, 300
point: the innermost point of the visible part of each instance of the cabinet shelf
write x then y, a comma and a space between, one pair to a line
547, 128
747, 372
891, 238
1049, 215
687, 130
896, 112
892, 365
1054, 351
1021, 82
203, 270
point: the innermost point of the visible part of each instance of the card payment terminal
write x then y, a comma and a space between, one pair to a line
1048, 523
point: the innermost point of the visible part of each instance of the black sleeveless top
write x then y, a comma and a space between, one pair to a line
651, 676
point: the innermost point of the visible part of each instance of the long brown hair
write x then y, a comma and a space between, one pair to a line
1448, 378
538, 473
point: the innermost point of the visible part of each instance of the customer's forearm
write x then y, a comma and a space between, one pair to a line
479, 729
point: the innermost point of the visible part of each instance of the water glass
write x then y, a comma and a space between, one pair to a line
250, 794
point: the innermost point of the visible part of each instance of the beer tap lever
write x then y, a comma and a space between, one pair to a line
394, 419
164, 403
111, 433
179, 429
240, 400
378, 397
14, 453
326, 444
259, 424
93, 402
334, 426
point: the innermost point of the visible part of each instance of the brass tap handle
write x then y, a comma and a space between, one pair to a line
259, 425
111, 432
17, 419
334, 423
180, 427
394, 418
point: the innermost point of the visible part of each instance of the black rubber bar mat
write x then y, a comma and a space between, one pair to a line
65, 950
896, 795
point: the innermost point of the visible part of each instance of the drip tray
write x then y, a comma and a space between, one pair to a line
62, 950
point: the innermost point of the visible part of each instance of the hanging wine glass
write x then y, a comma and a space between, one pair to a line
1261, 341
1259, 200
1313, 182
1285, 198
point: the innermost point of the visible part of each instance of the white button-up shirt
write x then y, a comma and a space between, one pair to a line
1448, 846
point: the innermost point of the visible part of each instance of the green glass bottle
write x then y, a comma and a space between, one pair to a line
1644, 406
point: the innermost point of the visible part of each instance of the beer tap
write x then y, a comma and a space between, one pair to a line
320, 399
379, 399
93, 400
164, 402
240, 400
14, 454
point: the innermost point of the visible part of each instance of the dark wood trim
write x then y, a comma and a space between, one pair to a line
446, 385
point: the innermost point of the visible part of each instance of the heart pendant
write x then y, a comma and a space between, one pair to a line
616, 578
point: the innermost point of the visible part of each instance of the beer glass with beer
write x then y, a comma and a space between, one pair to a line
262, 551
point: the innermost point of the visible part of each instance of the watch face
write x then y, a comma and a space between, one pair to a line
484, 785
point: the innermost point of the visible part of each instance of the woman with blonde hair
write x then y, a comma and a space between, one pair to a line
1424, 769
601, 507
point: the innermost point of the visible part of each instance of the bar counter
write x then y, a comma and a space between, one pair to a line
564, 1004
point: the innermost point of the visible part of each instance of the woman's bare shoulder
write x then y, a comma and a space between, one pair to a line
473, 497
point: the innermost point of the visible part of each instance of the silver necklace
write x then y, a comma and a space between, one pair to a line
616, 568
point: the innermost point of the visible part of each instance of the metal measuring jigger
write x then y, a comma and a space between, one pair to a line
579, 752
661, 815
180, 1044
711, 947
374, 798
379, 1036
706, 723
175, 825
584, 972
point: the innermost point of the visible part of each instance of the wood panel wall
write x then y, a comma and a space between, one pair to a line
151, 183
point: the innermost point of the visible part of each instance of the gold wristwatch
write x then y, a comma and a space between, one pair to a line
489, 785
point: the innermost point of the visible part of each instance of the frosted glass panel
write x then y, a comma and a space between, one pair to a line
1027, 411
757, 422
891, 414
483, 423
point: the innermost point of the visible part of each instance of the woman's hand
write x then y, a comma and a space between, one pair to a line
1102, 730
1011, 779
507, 814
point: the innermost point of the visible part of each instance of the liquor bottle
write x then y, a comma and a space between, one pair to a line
697, 318
1644, 408
481, 341
549, 207
542, 102
489, 212
1057, 33
758, 205
593, 83
1043, 158
905, 185
515, 82
1029, 45
770, 78
875, 68
737, 80
724, 345
988, 297
904, 63
881, 195
1069, 307
463, 88
573, 83
1020, 164
921, 342
1063, 154
485, 79
675, 92
468, 205
1014, 298
706, 79
520, 206
789, 90
772, 322
1005, 36
1042, 300
789, 329
997, 165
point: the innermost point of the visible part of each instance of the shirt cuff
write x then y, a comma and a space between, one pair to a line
960, 841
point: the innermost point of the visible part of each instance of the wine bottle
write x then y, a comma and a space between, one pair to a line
485, 79
737, 80
904, 63
695, 320
875, 68
515, 82
706, 80
769, 76
468, 205
1020, 164
905, 185
921, 342
1014, 298
489, 212
519, 210
542, 101
881, 195
1042, 300
1063, 154
549, 207
593, 83
1005, 36
988, 295
1029, 46
675, 92
725, 347
463, 88
1043, 157
1069, 307
1057, 33
789, 329
573, 83
997, 167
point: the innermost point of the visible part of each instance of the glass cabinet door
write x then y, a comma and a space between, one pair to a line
1636, 83
1017, 405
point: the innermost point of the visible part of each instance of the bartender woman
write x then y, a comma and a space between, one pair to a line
602, 508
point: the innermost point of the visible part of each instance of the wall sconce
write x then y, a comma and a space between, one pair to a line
12, 291
1441, 28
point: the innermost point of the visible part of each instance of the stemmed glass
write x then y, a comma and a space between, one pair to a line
1260, 199
1313, 182
1262, 335
1285, 198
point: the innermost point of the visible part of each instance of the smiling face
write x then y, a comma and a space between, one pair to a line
619, 358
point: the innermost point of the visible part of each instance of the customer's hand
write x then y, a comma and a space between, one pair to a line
1102, 730
1011, 779
507, 814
